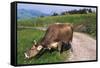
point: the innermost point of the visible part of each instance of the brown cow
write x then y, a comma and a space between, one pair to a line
55, 35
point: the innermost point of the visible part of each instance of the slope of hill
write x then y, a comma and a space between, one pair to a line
86, 21
26, 14
84, 47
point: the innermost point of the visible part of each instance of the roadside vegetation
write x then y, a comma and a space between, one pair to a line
25, 40
87, 22
82, 23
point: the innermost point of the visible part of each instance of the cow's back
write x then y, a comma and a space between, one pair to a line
58, 32
64, 32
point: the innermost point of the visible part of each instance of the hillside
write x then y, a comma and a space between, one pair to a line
27, 14
82, 22
84, 47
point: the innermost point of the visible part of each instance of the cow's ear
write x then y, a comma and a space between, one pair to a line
39, 47
35, 42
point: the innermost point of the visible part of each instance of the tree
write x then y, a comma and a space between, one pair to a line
63, 13
55, 14
90, 11
41, 16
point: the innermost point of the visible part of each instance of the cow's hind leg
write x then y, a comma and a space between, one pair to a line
67, 46
70, 47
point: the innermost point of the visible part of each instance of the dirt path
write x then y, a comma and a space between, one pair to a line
84, 47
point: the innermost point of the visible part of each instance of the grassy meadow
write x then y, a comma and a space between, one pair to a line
87, 20
25, 37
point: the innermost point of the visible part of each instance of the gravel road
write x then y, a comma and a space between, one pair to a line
84, 47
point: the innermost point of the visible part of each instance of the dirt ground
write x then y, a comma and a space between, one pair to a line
84, 47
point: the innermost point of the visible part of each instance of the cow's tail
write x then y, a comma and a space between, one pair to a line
71, 33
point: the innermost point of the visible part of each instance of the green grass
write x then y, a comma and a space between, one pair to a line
41, 21
25, 38
89, 20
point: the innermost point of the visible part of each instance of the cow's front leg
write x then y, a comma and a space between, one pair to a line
60, 47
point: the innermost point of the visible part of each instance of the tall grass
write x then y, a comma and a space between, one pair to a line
89, 21
25, 38
41, 21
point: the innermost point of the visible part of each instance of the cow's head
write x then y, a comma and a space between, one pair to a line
33, 51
